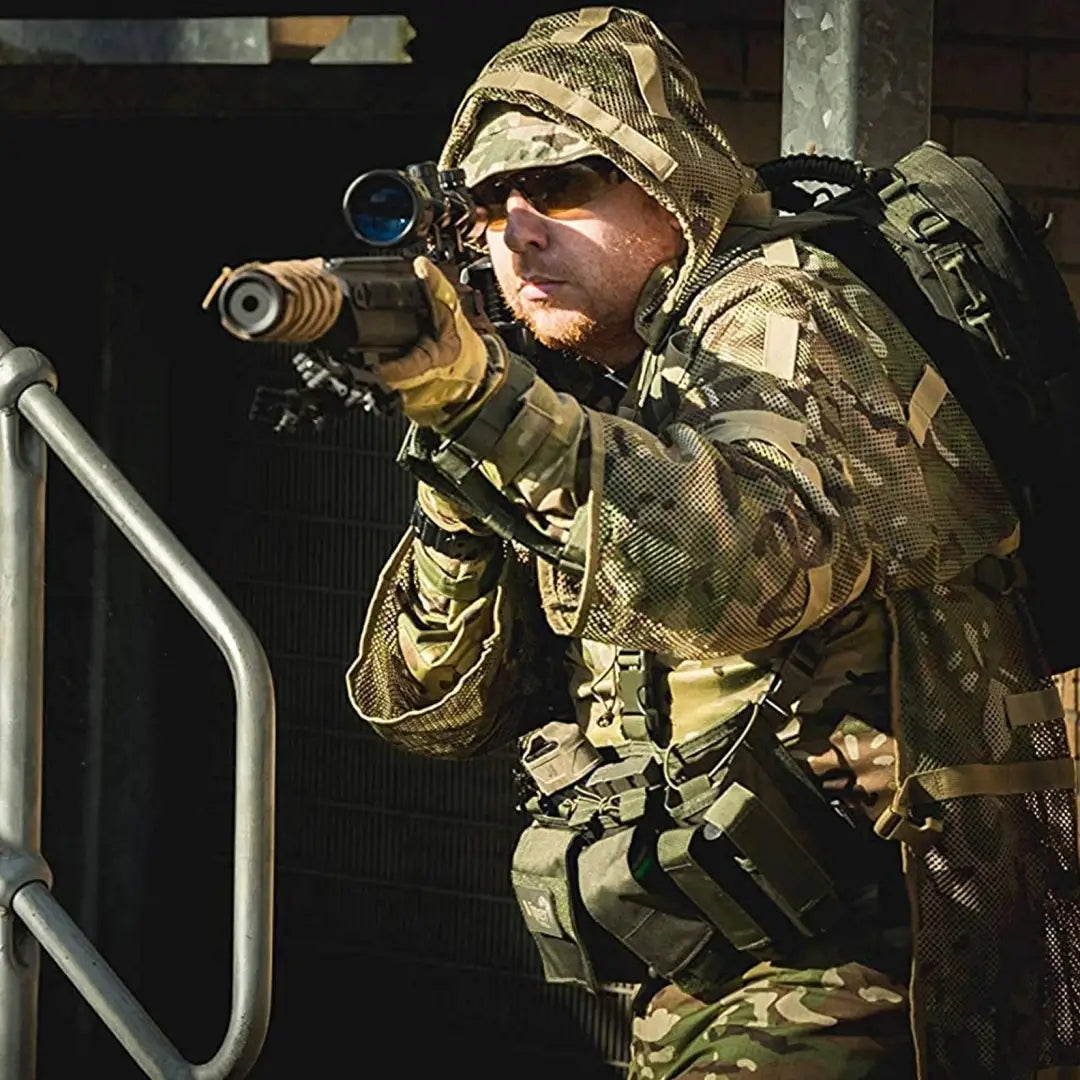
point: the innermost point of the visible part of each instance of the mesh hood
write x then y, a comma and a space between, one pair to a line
613, 76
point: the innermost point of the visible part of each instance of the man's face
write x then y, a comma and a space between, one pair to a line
575, 279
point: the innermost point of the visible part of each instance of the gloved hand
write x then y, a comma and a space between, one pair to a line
448, 513
443, 379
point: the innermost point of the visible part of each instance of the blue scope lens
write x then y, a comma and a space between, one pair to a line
380, 209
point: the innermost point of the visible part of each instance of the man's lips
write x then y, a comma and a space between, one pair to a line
538, 288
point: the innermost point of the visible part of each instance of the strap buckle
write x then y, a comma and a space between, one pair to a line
633, 676
927, 223
795, 674
920, 836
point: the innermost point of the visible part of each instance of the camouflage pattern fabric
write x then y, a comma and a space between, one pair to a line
847, 1022
514, 139
765, 473
683, 159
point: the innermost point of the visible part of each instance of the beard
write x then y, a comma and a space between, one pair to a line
599, 311
557, 327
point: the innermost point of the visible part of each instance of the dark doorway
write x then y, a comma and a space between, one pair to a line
399, 947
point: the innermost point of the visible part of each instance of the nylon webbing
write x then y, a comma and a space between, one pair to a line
819, 590
1003, 778
655, 158
1035, 707
650, 81
770, 427
588, 20
782, 252
781, 346
1009, 544
926, 399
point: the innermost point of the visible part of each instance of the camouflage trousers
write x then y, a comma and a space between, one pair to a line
848, 1022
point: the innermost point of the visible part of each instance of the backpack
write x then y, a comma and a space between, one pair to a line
964, 267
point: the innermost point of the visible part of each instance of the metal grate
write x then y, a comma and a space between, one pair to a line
392, 869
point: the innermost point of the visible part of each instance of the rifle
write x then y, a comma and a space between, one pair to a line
351, 313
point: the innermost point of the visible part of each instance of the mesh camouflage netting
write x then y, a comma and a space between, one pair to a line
594, 81
478, 710
997, 969
682, 584
997, 985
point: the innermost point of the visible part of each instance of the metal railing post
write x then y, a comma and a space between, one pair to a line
31, 418
22, 627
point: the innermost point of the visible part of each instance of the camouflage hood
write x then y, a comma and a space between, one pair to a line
614, 78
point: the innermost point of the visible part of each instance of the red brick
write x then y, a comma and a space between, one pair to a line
1054, 85
765, 61
1023, 154
1007, 17
714, 55
752, 126
1055, 18
978, 77
943, 18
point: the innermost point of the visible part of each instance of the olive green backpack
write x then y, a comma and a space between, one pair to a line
965, 268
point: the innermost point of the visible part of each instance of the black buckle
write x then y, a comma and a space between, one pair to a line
458, 544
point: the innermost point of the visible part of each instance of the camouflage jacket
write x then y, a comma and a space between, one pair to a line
786, 458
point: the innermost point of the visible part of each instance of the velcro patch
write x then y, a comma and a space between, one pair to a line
538, 910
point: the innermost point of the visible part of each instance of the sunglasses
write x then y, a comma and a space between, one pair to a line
552, 190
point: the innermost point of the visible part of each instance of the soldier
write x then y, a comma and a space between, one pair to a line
766, 635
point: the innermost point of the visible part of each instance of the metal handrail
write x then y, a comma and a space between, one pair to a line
31, 412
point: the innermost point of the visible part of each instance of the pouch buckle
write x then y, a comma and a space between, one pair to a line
558, 755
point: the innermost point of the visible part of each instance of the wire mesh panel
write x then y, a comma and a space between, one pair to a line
398, 937
398, 941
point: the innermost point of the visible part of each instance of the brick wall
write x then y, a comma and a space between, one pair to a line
1006, 89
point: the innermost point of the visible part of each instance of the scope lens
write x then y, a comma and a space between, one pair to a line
380, 209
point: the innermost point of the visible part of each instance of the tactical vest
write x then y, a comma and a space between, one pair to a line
690, 861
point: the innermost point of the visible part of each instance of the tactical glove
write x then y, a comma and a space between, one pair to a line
443, 379
448, 513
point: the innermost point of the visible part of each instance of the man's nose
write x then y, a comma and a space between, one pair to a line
525, 226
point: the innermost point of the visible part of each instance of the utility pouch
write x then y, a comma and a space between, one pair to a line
627, 892
770, 847
557, 756
572, 948
765, 854
711, 871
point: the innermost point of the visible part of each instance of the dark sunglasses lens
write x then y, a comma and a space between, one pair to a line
550, 190
565, 188
491, 195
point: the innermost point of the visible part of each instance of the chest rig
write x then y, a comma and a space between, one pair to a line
691, 861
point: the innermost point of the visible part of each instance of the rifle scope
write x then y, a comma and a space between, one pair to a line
388, 208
